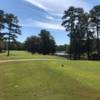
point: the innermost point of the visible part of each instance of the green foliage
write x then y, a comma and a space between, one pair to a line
9, 23
32, 44
15, 45
95, 24
47, 42
44, 43
83, 29
64, 47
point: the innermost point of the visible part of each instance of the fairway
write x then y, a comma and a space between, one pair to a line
47, 79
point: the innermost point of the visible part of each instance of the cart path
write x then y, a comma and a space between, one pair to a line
20, 60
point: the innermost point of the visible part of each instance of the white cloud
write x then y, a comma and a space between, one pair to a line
50, 17
58, 6
54, 9
43, 25
37, 4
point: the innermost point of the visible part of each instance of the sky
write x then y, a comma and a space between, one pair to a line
35, 15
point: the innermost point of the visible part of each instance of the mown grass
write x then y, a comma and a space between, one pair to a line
48, 80
25, 55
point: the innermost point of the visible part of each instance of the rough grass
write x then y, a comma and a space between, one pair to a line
47, 80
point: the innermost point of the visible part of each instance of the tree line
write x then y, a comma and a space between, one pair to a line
44, 43
9, 29
84, 32
62, 48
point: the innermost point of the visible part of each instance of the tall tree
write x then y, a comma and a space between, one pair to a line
95, 21
1, 27
13, 27
47, 42
78, 33
73, 22
86, 32
69, 24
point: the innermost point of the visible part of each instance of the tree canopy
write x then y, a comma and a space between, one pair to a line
84, 29
44, 43
9, 28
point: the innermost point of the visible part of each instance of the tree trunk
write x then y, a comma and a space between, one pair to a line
98, 52
8, 48
70, 48
88, 48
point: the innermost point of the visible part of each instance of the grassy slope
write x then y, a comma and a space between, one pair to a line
47, 80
